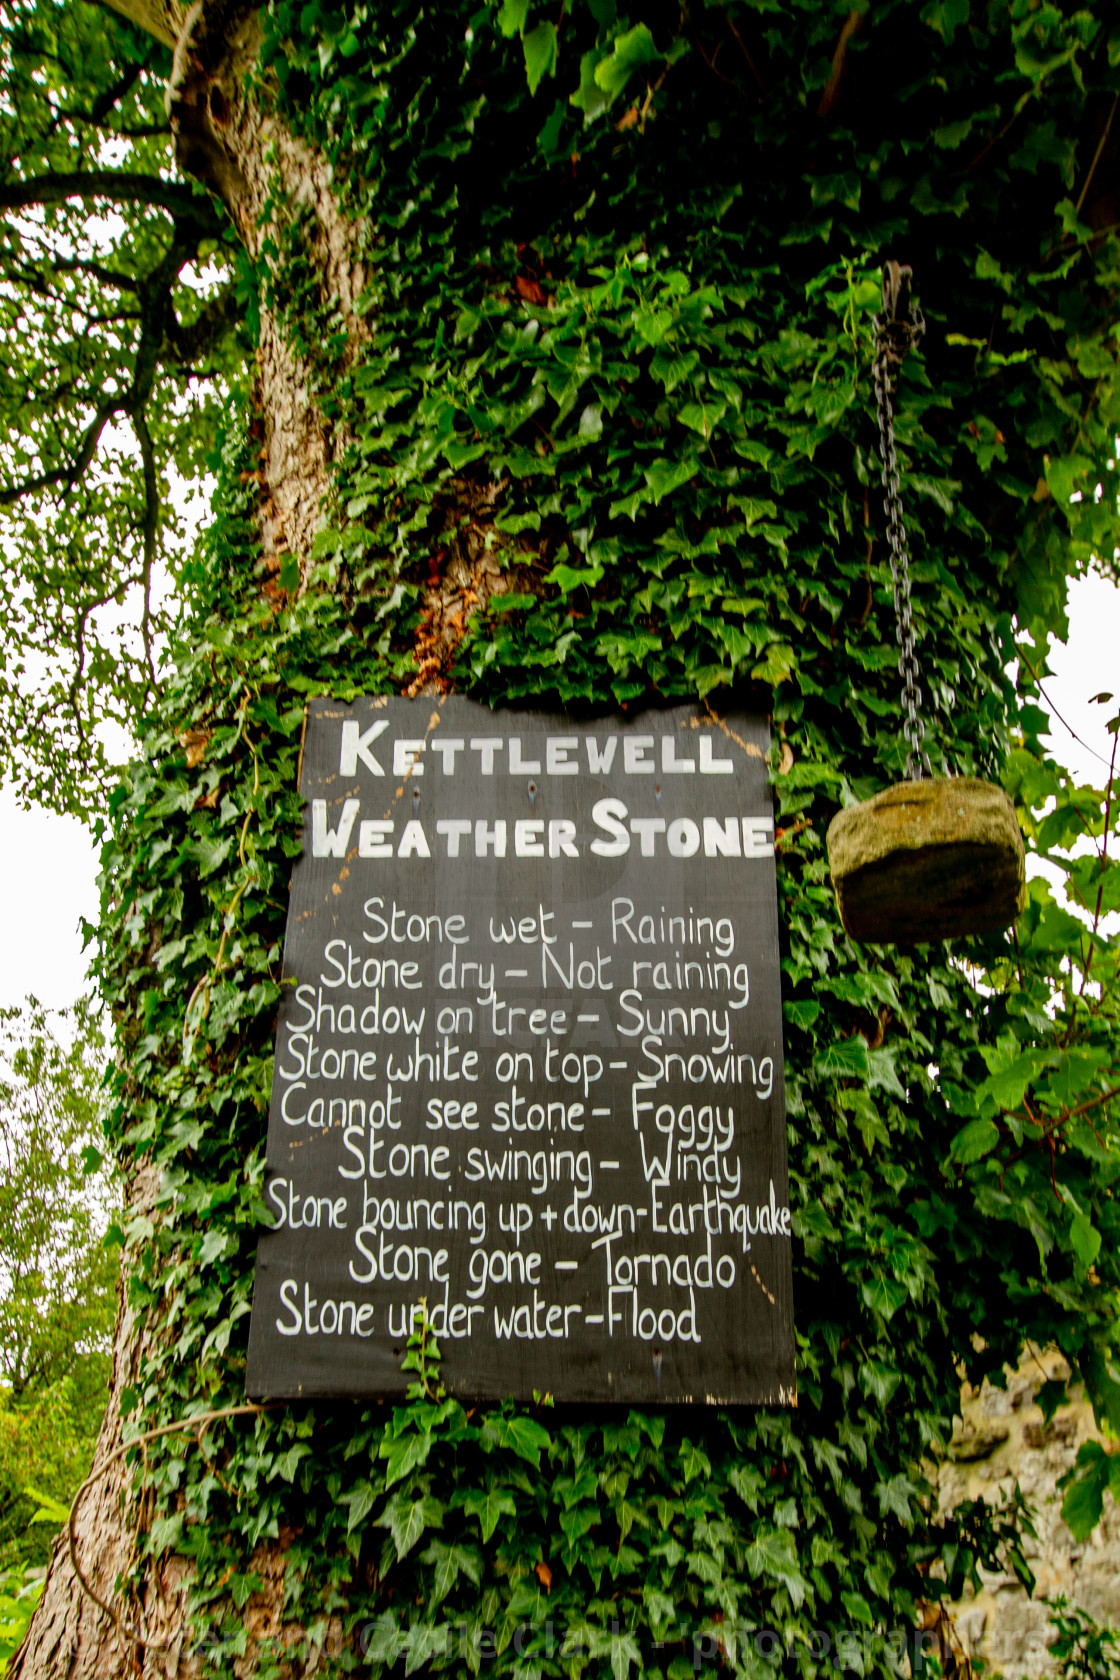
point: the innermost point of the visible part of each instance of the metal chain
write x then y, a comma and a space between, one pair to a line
897, 329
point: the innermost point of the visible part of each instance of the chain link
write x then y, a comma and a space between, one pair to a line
897, 329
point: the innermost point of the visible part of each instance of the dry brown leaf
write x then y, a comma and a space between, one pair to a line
194, 741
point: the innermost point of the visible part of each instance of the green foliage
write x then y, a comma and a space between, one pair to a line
1082, 1650
20, 1592
57, 1276
617, 365
47, 1439
116, 319
57, 1193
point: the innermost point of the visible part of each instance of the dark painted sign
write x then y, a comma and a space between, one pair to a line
529, 1061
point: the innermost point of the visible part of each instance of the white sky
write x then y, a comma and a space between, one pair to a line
49, 864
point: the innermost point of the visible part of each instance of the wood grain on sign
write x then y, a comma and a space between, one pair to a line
529, 1061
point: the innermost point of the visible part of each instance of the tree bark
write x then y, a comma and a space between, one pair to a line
229, 142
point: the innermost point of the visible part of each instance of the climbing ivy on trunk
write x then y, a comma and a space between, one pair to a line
604, 436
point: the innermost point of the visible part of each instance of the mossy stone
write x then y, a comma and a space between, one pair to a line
936, 859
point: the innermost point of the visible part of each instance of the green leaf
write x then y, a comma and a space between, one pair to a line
778, 666
286, 1463
166, 1532
450, 1562
702, 417
879, 1380
1103, 1387
895, 1495
489, 1507
521, 1435
540, 54
360, 1499
50, 1510
773, 1552
511, 18
406, 1519
631, 52
858, 1608
974, 1141
846, 1059
666, 476
589, 96
1086, 1239
1085, 1487
568, 578
883, 1295
881, 1072
405, 1453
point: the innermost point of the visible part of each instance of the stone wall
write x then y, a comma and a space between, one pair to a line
1003, 1439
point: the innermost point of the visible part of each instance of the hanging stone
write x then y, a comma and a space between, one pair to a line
940, 858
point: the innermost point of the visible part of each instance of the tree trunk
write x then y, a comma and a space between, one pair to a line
708, 475
229, 143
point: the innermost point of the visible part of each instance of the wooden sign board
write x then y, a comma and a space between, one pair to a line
529, 1061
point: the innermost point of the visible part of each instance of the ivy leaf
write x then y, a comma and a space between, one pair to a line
166, 1532
879, 1380
360, 1499
489, 1508
450, 1562
589, 96
213, 1246
540, 53
425, 1640
974, 1141
210, 853
285, 1464
1103, 1387
773, 1552
662, 1609
631, 52
1085, 1487
511, 18
844, 1060
406, 1519
702, 417
884, 1295
778, 666
946, 16
882, 1072
666, 476
384, 1642
1086, 1239
624, 1651
568, 578
405, 1453
521, 1435
694, 1461
895, 1496
858, 1608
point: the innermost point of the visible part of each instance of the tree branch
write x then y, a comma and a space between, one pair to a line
190, 342
149, 531
120, 186
69, 471
101, 106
